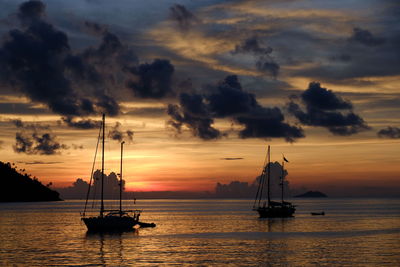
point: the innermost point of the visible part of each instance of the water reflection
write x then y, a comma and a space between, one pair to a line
275, 224
109, 247
205, 233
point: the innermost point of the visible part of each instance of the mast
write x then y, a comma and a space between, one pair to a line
102, 168
120, 182
269, 175
282, 176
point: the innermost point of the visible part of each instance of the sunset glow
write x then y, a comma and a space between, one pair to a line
199, 89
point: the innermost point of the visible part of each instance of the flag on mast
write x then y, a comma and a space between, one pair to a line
285, 159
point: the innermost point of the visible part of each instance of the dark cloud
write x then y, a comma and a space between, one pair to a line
76, 147
35, 138
39, 162
341, 57
365, 37
95, 28
266, 123
252, 45
30, 11
108, 105
42, 144
22, 108
28, 126
266, 64
81, 124
229, 100
147, 112
117, 134
183, 17
264, 61
231, 158
152, 80
361, 55
389, 132
323, 108
37, 60
322, 98
192, 112
129, 135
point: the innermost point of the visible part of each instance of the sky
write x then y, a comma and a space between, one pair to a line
199, 89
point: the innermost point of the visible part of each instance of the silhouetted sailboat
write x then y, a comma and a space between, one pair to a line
110, 220
269, 208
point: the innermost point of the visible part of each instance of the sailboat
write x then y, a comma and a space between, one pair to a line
112, 219
269, 208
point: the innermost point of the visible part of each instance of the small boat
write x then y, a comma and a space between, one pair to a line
116, 220
318, 213
269, 208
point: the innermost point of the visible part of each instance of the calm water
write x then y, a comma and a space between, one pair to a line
354, 232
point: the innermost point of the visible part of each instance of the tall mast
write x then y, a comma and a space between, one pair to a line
282, 176
102, 169
269, 175
120, 182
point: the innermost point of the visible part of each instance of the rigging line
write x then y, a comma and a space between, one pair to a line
91, 174
261, 183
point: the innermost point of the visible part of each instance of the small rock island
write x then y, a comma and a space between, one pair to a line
312, 194
17, 187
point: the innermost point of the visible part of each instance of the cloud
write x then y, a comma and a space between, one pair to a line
321, 98
248, 190
365, 37
229, 100
323, 108
28, 126
117, 134
30, 11
81, 124
152, 80
361, 55
192, 112
231, 158
41, 144
38, 61
267, 123
35, 138
389, 132
182, 16
264, 61
39, 162
95, 28
80, 187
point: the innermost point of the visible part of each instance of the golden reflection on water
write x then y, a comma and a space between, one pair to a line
206, 233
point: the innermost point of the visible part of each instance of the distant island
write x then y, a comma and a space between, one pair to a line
312, 194
17, 187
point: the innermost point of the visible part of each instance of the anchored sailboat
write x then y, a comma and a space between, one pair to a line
269, 208
113, 219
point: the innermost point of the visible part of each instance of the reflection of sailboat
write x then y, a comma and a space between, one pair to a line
110, 220
270, 208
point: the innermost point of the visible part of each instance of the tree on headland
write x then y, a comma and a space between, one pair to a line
18, 187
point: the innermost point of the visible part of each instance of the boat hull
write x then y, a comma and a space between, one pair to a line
110, 223
276, 211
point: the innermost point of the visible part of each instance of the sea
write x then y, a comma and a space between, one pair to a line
206, 232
